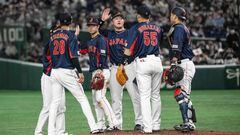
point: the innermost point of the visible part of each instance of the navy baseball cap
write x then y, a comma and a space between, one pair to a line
116, 13
144, 11
65, 18
92, 21
179, 12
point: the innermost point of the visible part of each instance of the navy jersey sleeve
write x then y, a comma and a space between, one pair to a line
132, 38
73, 46
178, 39
46, 59
102, 46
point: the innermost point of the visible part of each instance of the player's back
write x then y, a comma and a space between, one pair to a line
147, 39
60, 48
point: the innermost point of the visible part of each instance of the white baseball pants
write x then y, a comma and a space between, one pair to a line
117, 93
46, 89
102, 105
149, 74
67, 78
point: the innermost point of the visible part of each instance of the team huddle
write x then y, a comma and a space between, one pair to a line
135, 64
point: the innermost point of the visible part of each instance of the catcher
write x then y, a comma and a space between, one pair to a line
181, 54
97, 50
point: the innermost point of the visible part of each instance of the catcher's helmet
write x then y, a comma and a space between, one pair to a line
173, 75
144, 11
179, 12
65, 18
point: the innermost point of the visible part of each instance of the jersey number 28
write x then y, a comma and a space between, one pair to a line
150, 38
59, 47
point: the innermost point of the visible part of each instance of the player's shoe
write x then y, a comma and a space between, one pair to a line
137, 127
96, 131
110, 129
186, 127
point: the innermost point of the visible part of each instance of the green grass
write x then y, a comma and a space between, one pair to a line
216, 110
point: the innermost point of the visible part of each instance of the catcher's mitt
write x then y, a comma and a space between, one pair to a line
121, 75
97, 82
173, 75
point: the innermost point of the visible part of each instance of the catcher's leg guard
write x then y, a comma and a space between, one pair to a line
182, 99
191, 112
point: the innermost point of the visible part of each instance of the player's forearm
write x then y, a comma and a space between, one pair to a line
103, 59
126, 56
76, 64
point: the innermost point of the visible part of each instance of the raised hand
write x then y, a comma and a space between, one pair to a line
106, 14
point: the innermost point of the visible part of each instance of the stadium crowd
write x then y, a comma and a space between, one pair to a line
217, 19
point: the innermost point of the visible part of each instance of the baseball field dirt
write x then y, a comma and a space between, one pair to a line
171, 132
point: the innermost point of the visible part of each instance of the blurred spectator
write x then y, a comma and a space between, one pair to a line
208, 18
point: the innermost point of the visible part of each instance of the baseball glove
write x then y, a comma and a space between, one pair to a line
173, 75
97, 82
121, 75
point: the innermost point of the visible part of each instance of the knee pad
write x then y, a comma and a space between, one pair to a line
182, 99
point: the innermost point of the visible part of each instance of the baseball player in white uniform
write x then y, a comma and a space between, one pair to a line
97, 50
46, 88
63, 50
143, 44
117, 40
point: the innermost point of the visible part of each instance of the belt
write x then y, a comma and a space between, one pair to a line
183, 60
144, 56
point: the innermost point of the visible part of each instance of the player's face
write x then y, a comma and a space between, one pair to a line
93, 29
173, 18
118, 22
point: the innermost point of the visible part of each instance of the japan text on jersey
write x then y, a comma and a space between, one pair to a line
97, 51
117, 41
63, 47
144, 39
180, 41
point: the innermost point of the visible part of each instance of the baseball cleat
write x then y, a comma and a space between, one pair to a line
178, 127
137, 127
97, 131
109, 129
185, 127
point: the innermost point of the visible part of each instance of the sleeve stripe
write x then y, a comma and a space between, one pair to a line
70, 53
133, 45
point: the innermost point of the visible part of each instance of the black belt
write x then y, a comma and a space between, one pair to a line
144, 56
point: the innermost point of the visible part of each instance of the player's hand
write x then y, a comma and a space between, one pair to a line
99, 71
106, 14
174, 60
81, 78
77, 30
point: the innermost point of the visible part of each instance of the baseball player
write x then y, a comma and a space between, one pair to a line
46, 89
117, 39
181, 54
97, 50
143, 44
63, 50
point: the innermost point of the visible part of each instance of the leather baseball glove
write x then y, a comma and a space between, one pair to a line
121, 75
97, 82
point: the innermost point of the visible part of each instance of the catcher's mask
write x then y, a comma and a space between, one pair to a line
173, 75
